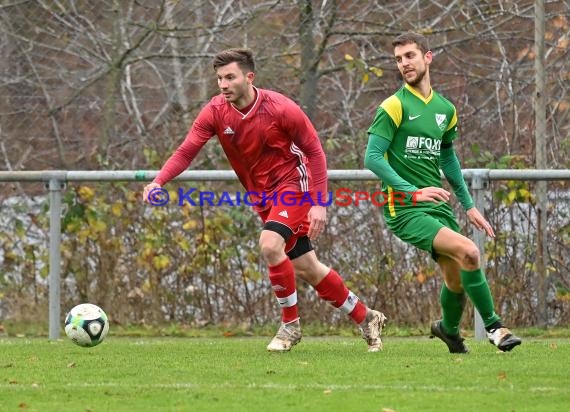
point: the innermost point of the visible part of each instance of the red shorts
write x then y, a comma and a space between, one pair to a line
289, 210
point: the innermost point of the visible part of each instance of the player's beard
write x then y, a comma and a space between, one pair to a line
239, 95
416, 80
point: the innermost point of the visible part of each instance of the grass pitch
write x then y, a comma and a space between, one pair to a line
320, 374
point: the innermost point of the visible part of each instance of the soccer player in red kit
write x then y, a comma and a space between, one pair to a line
277, 156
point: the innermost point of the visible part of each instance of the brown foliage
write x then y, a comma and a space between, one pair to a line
115, 85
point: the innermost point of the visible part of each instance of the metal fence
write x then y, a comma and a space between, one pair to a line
55, 181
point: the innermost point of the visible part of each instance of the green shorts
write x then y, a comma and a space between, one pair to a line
419, 227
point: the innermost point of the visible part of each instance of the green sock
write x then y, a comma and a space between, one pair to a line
452, 305
476, 286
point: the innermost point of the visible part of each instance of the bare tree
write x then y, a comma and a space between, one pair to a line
115, 84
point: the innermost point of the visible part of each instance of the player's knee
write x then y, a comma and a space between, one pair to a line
272, 250
311, 270
303, 272
471, 257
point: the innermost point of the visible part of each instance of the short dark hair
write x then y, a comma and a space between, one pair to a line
243, 57
412, 38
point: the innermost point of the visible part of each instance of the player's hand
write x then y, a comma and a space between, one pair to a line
148, 189
431, 194
477, 220
318, 219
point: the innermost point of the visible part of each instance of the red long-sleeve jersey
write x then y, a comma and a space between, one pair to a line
272, 148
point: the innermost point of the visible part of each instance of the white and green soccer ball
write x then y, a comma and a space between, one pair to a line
86, 325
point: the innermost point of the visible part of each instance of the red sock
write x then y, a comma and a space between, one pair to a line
282, 278
333, 290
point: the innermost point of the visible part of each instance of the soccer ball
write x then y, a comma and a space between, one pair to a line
86, 325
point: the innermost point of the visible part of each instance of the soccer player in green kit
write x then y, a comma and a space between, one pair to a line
410, 139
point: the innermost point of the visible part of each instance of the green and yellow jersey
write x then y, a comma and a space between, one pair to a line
416, 128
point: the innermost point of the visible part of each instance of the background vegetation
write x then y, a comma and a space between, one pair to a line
112, 85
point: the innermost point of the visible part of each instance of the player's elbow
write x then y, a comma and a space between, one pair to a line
369, 160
